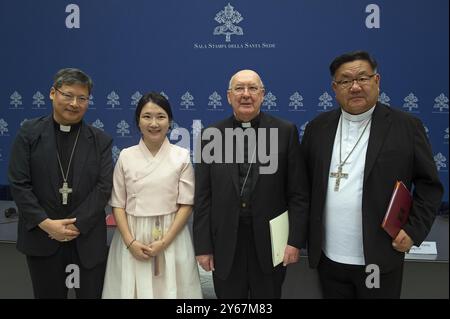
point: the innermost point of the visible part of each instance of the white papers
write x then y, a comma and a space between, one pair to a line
279, 231
427, 251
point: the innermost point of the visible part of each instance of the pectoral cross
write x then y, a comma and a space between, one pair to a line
338, 175
65, 191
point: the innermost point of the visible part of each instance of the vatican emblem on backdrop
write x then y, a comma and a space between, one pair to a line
135, 99
296, 102
98, 124
228, 33
441, 104
187, 102
411, 103
270, 103
325, 102
15, 100
113, 100
115, 153
384, 98
38, 100
123, 129
215, 102
164, 94
91, 102
441, 162
3, 128
228, 17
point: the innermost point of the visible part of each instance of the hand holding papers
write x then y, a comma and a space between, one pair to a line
279, 231
426, 251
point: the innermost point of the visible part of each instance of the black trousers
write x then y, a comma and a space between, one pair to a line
246, 279
50, 279
343, 281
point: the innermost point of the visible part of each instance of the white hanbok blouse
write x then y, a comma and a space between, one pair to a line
147, 185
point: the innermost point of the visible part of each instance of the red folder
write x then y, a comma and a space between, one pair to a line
110, 221
398, 210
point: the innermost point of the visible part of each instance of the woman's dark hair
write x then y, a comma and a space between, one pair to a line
155, 98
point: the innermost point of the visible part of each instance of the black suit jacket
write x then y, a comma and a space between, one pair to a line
398, 149
217, 201
34, 181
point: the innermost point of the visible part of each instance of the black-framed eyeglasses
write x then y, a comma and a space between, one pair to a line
69, 97
361, 80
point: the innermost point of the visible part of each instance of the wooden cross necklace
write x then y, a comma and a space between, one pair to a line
65, 190
339, 174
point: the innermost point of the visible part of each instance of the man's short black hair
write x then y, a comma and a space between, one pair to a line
71, 76
350, 57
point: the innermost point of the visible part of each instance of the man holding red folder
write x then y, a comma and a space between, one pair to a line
353, 156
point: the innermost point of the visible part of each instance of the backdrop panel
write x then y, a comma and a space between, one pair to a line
189, 50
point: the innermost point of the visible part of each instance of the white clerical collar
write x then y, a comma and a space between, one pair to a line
254, 122
358, 117
64, 128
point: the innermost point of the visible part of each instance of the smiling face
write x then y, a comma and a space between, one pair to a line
245, 95
153, 124
70, 102
357, 98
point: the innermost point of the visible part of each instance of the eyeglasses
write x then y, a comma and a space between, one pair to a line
362, 81
69, 97
240, 89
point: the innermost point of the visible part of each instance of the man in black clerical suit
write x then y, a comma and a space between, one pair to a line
60, 173
354, 155
235, 199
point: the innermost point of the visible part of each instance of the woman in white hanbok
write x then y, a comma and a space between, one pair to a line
151, 253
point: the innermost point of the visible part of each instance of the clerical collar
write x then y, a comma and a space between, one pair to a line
358, 117
253, 122
66, 128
